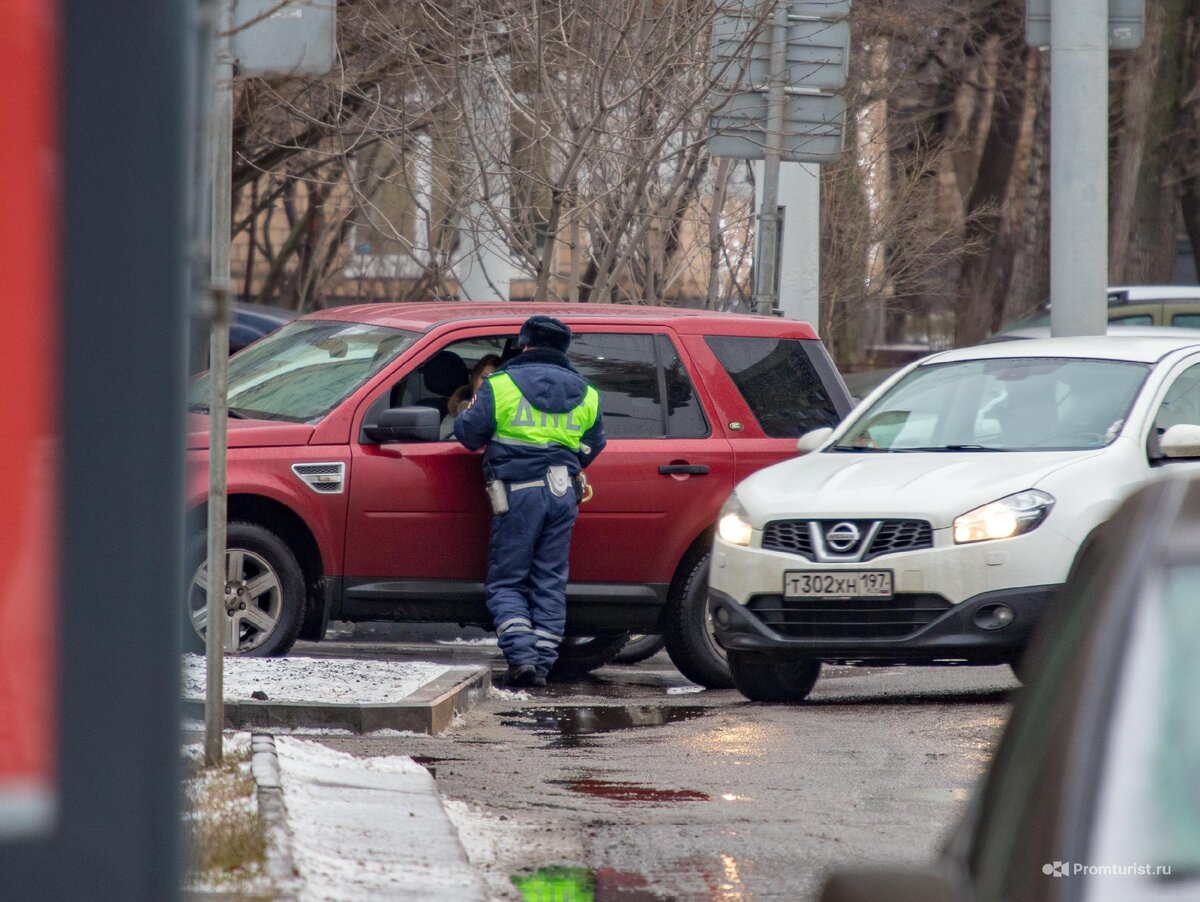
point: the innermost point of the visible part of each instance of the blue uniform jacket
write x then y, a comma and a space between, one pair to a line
548, 382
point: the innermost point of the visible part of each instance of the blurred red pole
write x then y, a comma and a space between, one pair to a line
29, 405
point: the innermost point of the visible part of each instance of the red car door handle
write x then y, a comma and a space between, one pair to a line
680, 469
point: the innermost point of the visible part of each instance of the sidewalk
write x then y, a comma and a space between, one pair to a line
369, 828
340, 827
358, 695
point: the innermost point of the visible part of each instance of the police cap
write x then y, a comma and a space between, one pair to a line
544, 332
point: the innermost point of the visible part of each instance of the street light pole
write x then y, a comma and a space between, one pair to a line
766, 272
1078, 166
220, 168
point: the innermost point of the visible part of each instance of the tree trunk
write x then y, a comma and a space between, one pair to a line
998, 188
1029, 281
874, 160
1189, 165
1150, 257
1134, 78
716, 209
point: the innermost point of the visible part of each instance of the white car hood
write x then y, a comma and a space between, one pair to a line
933, 486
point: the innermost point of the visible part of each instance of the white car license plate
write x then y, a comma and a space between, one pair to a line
837, 584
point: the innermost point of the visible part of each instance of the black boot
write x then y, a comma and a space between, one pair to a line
520, 675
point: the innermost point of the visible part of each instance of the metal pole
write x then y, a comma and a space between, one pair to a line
765, 263
221, 163
1078, 166
800, 261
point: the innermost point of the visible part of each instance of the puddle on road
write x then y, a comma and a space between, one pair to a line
604, 687
584, 885
569, 725
619, 791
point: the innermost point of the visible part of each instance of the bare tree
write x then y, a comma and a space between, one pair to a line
567, 141
590, 111
895, 230
565, 137
1153, 141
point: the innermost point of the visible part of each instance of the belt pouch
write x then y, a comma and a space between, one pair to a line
558, 478
498, 495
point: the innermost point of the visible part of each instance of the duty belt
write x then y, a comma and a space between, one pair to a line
517, 486
557, 479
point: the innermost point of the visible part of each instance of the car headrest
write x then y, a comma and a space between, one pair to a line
445, 373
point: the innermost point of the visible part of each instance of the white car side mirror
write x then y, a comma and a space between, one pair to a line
813, 440
1182, 440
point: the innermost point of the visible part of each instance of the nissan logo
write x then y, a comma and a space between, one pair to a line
842, 536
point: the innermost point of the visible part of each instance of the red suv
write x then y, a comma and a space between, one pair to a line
348, 499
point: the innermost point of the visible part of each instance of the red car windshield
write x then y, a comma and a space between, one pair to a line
304, 370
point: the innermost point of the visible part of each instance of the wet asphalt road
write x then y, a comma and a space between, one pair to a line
670, 794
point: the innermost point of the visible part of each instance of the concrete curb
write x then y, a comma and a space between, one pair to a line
272, 813
387, 827
428, 710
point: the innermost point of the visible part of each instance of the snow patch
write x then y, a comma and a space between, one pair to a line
233, 743
300, 679
218, 800
509, 695
386, 733
370, 828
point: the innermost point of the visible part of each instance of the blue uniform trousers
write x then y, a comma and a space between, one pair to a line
527, 574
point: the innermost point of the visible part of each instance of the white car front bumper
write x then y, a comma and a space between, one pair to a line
942, 596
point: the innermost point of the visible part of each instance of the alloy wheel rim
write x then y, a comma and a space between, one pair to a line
253, 601
710, 631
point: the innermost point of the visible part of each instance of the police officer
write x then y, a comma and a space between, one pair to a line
541, 423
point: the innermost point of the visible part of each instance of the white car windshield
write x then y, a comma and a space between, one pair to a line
302, 371
1004, 404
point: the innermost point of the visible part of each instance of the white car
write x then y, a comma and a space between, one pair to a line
937, 521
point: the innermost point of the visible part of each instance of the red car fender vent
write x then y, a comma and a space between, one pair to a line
322, 478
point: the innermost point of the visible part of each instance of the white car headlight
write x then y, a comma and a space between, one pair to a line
1004, 518
733, 525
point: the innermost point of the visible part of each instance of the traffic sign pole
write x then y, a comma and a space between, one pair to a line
221, 163
766, 267
263, 37
800, 243
778, 101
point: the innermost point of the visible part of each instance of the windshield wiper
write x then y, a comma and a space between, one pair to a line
199, 407
954, 448
855, 449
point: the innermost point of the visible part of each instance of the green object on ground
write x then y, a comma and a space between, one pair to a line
556, 885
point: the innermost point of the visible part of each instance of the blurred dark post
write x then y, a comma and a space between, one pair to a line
123, 123
220, 162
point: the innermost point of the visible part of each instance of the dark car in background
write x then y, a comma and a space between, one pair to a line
247, 324
1135, 305
253, 321
1093, 793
